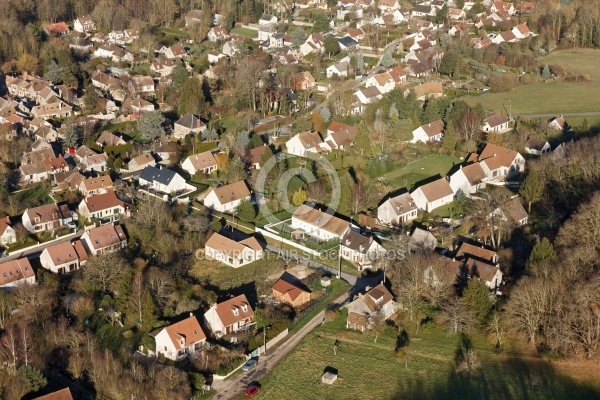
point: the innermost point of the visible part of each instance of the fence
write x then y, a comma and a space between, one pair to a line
307, 313
270, 343
271, 235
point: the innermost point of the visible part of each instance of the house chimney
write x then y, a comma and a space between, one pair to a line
191, 314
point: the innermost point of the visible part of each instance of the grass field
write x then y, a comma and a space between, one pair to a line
554, 97
251, 33
368, 370
417, 171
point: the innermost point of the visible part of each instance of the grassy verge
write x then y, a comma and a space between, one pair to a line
338, 287
409, 175
369, 369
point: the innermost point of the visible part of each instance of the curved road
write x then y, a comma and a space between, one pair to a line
577, 114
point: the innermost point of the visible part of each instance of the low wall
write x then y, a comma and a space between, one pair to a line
222, 377
271, 343
286, 241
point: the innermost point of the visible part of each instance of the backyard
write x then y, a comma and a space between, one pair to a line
370, 370
251, 33
425, 168
558, 97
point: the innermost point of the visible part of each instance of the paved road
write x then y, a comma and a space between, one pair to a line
235, 386
37, 250
581, 114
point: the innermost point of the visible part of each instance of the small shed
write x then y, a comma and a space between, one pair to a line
325, 281
329, 378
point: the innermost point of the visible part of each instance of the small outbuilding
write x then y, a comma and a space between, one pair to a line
329, 378
325, 281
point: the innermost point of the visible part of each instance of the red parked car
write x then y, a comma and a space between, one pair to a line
251, 391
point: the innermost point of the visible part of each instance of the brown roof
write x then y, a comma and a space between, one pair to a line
284, 287
345, 137
15, 270
496, 119
106, 235
433, 128
202, 160
474, 173
383, 78
48, 213
67, 252
396, 73
354, 32
310, 139
535, 143
496, 156
337, 126
256, 154
143, 159
483, 269
189, 330
378, 292
357, 242
225, 310
233, 191
403, 203
99, 182
103, 201
514, 210
436, 190
370, 92
321, 219
453, 269
467, 250
4, 224
178, 50
109, 139
230, 246
38, 155
58, 27
428, 88
63, 394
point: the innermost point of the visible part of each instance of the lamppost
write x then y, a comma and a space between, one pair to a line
265, 339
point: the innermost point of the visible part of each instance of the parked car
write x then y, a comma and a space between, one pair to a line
72, 225
251, 391
251, 363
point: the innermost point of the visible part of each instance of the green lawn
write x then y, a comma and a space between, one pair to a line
554, 97
251, 33
417, 171
368, 370
226, 277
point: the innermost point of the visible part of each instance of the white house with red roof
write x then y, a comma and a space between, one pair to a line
430, 132
180, 339
7, 233
16, 272
64, 257
230, 316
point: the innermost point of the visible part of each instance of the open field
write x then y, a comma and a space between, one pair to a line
417, 171
251, 33
554, 97
368, 370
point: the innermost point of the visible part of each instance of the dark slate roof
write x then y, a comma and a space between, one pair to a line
347, 41
153, 174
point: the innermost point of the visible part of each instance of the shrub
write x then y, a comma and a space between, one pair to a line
499, 83
330, 315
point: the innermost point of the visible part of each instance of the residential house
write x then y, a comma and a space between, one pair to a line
109, 139
456, 14
376, 300
55, 108
355, 33
360, 250
16, 272
340, 69
512, 211
232, 47
7, 233
559, 124
321, 225
141, 86
180, 339
480, 263
348, 44
217, 33
162, 179
276, 40
227, 197
397, 210
94, 163
521, 31
49, 217
305, 143
56, 29
105, 207
186, 125
314, 43
38, 155
433, 195
214, 56
104, 239
140, 162
164, 67
388, 5
176, 51
63, 394
230, 316
41, 170
398, 75
84, 24
505, 6
340, 136
431, 132
46, 133
498, 162
537, 146
421, 10
265, 32
422, 241
303, 80
81, 44
496, 122
289, 293
234, 253
254, 156
137, 106
267, 19
65, 257
384, 82
165, 151
366, 96
469, 179
202, 162
429, 90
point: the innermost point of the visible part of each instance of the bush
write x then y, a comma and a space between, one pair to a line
330, 315
227, 368
499, 83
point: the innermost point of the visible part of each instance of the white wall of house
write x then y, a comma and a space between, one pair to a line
387, 215
424, 204
247, 256
9, 236
459, 182
212, 201
314, 231
47, 262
